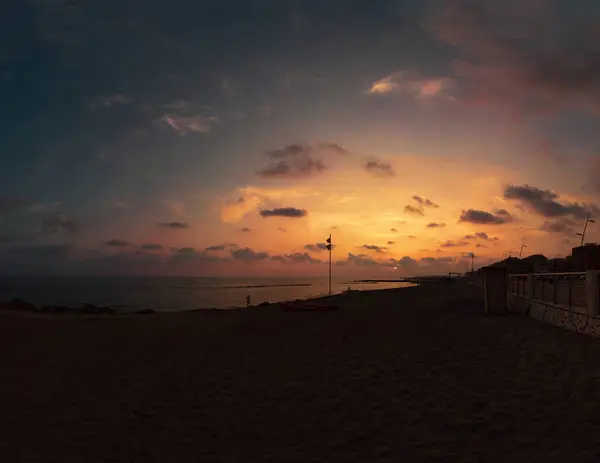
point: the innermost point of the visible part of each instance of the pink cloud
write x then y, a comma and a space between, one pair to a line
188, 124
522, 57
412, 84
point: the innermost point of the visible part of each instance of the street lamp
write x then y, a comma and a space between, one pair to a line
587, 220
523, 245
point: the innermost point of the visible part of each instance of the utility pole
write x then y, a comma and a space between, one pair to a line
587, 220
523, 245
329, 246
472, 258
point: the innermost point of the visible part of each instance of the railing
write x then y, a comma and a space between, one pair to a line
562, 289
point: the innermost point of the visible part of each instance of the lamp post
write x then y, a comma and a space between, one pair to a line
587, 220
329, 246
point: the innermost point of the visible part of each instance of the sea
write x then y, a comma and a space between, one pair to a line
172, 293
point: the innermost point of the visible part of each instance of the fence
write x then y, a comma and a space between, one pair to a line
560, 289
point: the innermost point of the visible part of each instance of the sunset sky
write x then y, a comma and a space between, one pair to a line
232, 137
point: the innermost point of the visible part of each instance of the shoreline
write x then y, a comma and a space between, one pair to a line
22, 306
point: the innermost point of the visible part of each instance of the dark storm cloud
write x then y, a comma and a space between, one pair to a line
436, 225
174, 225
544, 202
484, 218
379, 168
290, 212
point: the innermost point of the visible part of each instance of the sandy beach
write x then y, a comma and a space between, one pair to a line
415, 374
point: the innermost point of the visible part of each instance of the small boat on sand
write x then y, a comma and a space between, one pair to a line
308, 306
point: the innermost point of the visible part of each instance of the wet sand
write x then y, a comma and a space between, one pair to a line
415, 374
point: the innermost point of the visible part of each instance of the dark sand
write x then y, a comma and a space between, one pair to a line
417, 374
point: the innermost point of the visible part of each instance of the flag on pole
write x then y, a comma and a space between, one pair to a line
328, 241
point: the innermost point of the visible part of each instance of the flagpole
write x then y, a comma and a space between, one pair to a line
330, 246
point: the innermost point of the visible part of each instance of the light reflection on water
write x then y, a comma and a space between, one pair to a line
171, 293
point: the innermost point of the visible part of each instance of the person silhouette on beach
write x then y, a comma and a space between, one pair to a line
248, 300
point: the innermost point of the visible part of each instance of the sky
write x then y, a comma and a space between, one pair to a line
232, 137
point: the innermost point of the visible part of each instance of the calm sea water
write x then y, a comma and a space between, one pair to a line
170, 293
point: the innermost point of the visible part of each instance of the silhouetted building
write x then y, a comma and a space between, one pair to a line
586, 257
560, 265
536, 263
511, 264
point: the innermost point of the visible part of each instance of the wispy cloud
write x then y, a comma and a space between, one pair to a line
410, 83
425, 202
373, 247
454, 244
190, 124
409, 209
227, 86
